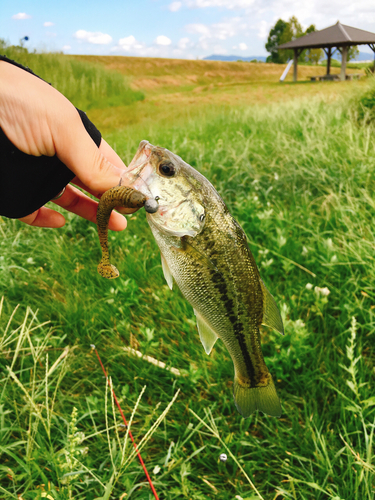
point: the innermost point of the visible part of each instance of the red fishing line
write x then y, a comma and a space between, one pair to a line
126, 424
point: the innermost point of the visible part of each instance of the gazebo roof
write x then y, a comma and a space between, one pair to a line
337, 35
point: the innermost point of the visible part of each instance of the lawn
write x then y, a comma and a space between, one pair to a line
295, 164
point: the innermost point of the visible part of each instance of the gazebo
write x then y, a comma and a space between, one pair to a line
338, 37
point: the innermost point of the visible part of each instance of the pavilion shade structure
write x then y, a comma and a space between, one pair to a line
337, 37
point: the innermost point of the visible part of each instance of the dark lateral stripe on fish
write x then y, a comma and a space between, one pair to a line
238, 328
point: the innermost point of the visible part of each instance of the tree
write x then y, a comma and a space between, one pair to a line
313, 56
283, 32
274, 40
295, 28
353, 52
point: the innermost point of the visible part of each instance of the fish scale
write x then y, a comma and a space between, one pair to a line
205, 251
220, 301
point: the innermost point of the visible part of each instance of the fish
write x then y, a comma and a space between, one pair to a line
205, 252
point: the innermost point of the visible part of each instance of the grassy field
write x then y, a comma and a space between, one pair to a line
87, 84
296, 169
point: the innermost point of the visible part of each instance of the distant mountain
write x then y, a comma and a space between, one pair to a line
217, 57
362, 56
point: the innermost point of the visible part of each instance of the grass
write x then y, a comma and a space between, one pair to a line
366, 109
299, 177
158, 75
87, 85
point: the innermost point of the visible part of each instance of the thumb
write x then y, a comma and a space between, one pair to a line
75, 148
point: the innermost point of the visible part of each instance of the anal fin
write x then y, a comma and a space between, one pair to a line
207, 335
271, 313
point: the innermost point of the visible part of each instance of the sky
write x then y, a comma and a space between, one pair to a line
183, 29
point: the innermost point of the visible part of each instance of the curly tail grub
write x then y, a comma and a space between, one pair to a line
118, 196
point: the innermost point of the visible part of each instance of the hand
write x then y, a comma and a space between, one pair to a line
39, 120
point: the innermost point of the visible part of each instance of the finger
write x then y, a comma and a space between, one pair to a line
122, 210
77, 150
77, 182
44, 217
111, 155
78, 203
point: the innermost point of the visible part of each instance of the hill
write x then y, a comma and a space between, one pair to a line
177, 90
161, 75
216, 57
362, 56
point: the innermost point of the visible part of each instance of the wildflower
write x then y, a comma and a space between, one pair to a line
156, 469
322, 291
309, 286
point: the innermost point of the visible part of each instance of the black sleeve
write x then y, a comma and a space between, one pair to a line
28, 182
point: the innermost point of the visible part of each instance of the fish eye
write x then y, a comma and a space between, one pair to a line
202, 217
167, 169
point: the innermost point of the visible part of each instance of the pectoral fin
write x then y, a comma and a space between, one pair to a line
167, 273
207, 335
271, 313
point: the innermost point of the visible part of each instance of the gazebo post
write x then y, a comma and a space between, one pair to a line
372, 47
295, 60
329, 54
344, 55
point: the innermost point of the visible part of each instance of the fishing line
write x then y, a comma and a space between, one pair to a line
126, 425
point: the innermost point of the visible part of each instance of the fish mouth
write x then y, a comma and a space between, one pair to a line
140, 170
141, 173
138, 177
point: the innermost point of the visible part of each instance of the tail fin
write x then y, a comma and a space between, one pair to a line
249, 399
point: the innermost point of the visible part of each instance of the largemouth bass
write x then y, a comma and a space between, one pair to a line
204, 250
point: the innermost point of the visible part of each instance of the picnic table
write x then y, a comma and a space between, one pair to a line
335, 77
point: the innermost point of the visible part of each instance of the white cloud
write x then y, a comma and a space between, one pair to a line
360, 14
175, 6
201, 29
163, 40
48, 23
21, 15
228, 4
242, 46
264, 29
96, 37
161, 47
183, 43
128, 43
66, 47
226, 29
318, 8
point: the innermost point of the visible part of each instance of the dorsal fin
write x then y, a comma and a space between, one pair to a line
271, 313
207, 335
167, 273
